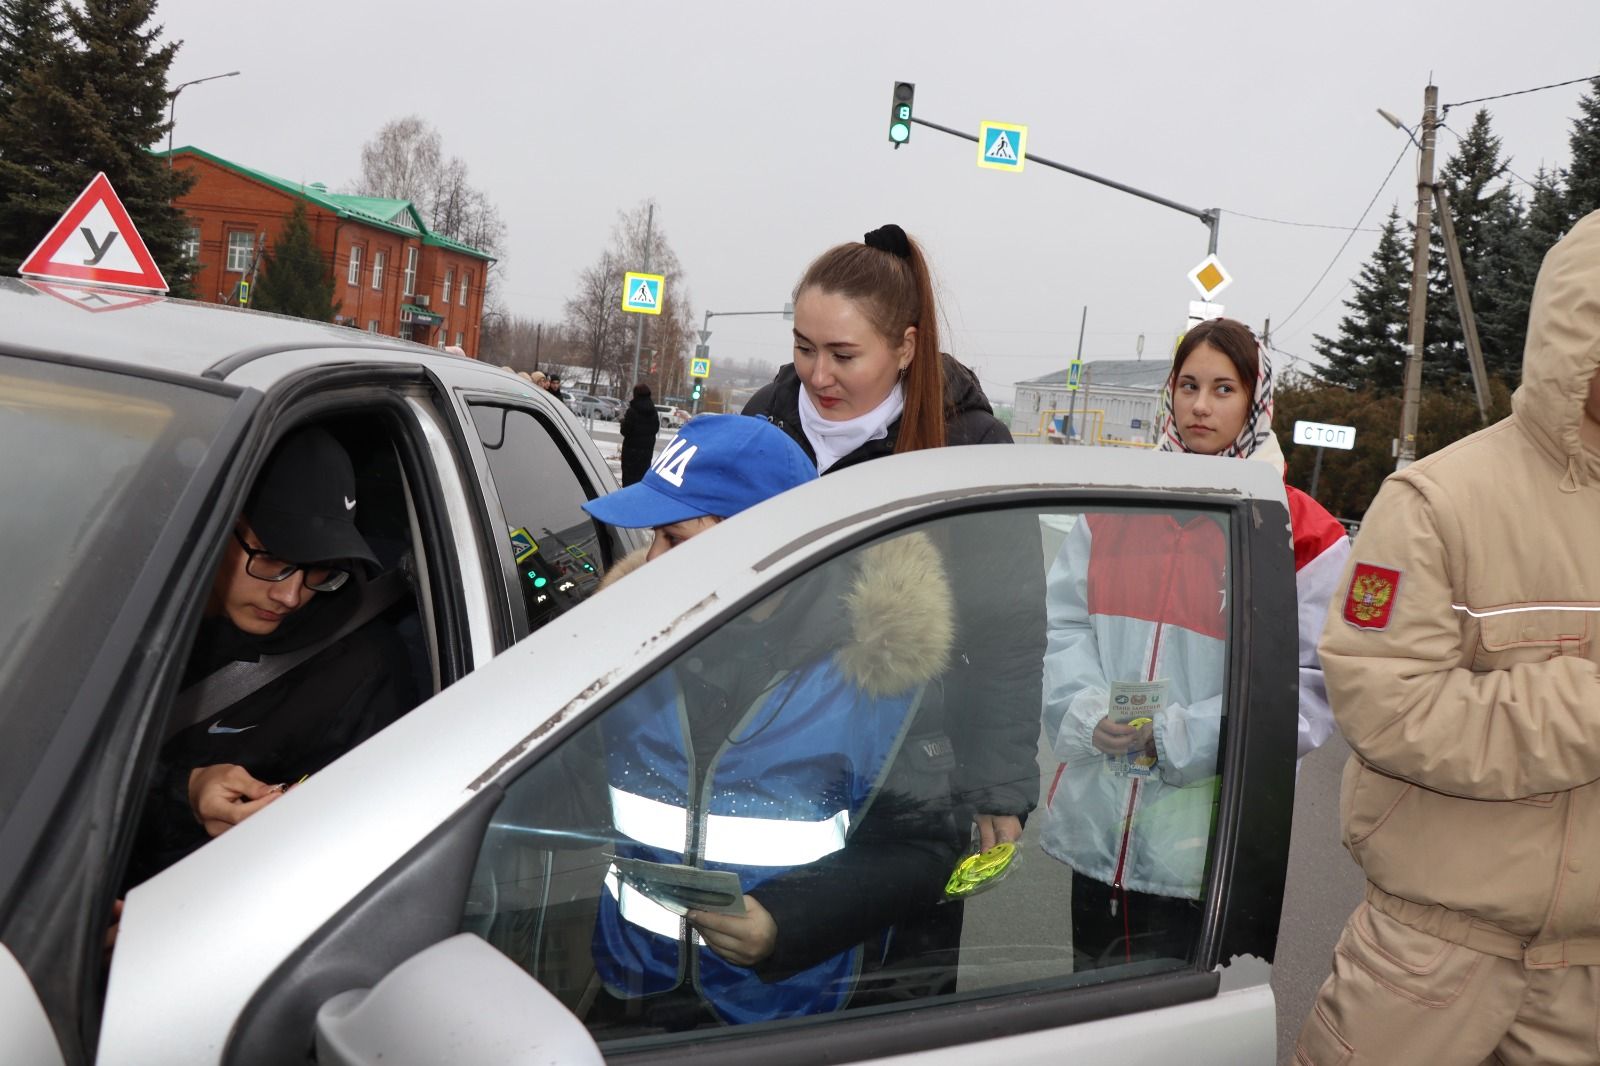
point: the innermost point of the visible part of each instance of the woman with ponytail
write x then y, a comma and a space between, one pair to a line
868, 380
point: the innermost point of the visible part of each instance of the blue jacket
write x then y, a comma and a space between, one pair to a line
782, 794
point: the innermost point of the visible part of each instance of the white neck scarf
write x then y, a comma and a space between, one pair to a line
833, 441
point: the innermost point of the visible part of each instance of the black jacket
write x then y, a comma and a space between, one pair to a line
993, 688
640, 424
293, 726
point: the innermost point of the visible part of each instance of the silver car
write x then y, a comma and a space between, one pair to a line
430, 897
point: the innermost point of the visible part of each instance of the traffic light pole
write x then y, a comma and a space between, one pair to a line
638, 327
705, 330
1211, 216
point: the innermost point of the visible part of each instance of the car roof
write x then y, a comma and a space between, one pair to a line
60, 320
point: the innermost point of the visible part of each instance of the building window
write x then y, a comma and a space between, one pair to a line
411, 272
354, 277
241, 250
449, 279
191, 244
377, 269
372, 323
458, 338
466, 282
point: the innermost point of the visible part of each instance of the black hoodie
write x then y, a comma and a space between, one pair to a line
293, 726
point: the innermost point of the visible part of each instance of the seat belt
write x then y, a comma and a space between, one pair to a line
224, 687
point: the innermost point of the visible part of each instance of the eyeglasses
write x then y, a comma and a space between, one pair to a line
264, 566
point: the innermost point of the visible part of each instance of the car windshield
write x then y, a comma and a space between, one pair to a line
107, 456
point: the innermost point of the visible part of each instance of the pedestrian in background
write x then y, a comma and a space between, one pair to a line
868, 380
1463, 662
1140, 599
640, 424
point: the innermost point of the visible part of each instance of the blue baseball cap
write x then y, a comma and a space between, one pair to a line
716, 465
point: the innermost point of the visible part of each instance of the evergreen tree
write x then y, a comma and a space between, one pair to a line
97, 103
1370, 350
1583, 175
1545, 223
29, 29
295, 279
1488, 220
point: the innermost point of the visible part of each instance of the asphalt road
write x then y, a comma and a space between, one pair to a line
1324, 886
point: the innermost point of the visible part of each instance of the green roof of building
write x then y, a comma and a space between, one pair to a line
373, 210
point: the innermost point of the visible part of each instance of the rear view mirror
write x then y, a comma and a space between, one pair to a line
459, 1001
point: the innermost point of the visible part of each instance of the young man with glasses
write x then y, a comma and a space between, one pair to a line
285, 585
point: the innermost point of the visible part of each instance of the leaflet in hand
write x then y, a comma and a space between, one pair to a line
681, 888
1135, 703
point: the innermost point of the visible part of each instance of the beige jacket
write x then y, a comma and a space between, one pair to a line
1461, 660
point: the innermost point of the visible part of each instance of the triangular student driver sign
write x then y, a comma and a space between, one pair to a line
96, 242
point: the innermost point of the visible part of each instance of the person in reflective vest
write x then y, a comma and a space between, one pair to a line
799, 748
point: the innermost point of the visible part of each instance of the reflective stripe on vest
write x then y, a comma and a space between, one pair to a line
729, 839
640, 909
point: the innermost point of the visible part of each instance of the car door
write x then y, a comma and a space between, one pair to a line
790, 699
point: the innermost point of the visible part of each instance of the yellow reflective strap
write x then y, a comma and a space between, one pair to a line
981, 870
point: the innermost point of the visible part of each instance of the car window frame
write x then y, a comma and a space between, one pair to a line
1240, 917
492, 510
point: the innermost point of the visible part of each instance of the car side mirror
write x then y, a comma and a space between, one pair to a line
459, 1001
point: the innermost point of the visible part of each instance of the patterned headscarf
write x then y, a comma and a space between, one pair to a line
1255, 441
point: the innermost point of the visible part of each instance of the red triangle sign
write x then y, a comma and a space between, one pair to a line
95, 241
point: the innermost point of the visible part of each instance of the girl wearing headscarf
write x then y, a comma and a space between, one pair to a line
1143, 598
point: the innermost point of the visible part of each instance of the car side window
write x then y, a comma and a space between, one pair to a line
551, 539
975, 757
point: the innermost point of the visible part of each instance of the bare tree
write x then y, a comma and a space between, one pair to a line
667, 338
406, 161
401, 162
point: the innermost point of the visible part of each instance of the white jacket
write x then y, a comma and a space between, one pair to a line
1136, 597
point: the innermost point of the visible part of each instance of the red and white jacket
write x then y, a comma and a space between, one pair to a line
1142, 597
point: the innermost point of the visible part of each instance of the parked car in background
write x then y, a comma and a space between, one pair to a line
586, 405
672, 417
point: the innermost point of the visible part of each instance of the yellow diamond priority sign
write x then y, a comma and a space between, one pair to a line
1210, 277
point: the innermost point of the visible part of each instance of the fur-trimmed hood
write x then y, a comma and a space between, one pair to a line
901, 614
898, 613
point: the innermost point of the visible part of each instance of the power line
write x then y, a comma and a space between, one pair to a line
1503, 166
1286, 222
1353, 230
1519, 92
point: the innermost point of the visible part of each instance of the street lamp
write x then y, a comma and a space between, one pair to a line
172, 104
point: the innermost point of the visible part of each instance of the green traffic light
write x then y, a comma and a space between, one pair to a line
538, 582
900, 133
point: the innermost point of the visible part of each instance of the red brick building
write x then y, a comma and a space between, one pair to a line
391, 274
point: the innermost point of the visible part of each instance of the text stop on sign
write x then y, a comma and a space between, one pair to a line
1323, 435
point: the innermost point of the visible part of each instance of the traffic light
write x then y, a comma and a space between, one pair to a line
695, 395
900, 114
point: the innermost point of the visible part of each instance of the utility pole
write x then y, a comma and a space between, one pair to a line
1072, 395
538, 339
1406, 453
638, 326
1458, 282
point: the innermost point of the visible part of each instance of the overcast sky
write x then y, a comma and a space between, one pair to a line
760, 131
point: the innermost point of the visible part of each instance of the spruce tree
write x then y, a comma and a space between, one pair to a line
1488, 220
1583, 174
97, 103
29, 29
295, 279
1370, 350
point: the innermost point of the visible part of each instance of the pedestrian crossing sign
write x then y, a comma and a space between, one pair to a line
641, 293
1002, 146
700, 367
1075, 375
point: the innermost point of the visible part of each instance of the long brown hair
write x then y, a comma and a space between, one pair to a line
893, 291
1230, 337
